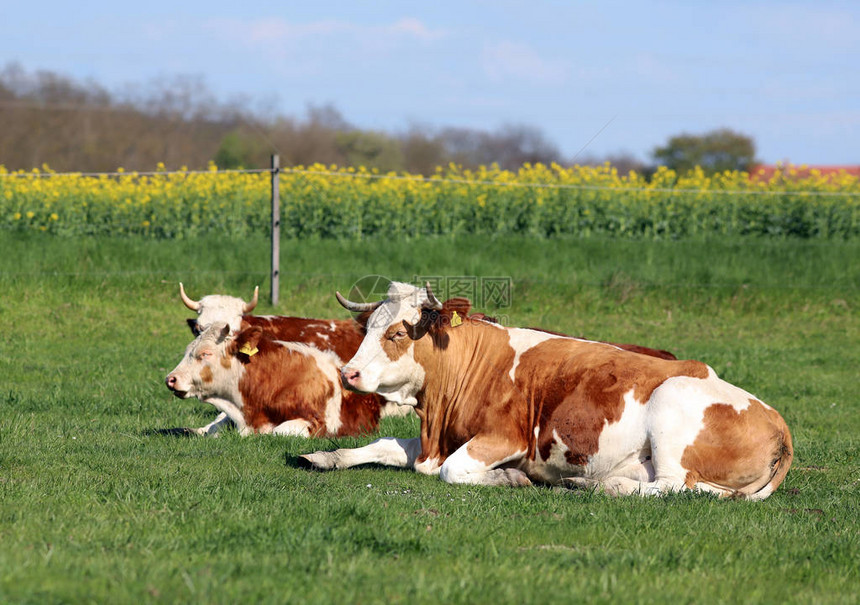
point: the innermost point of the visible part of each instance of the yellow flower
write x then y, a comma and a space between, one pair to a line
30, 214
54, 216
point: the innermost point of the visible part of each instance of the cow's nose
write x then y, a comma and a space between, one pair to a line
349, 375
170, 381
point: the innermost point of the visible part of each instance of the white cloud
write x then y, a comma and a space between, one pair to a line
511, 60
277, 31
416, 29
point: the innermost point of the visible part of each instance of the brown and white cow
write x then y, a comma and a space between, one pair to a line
265, 385
509, 406
341, 337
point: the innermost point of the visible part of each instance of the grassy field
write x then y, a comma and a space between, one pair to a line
96, 506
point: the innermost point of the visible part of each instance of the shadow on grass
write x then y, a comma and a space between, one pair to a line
174, 432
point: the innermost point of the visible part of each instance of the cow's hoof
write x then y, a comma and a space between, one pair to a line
303, 462
318, 461
579, 483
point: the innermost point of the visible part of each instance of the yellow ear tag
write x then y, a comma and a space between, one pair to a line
248, 350
456, 320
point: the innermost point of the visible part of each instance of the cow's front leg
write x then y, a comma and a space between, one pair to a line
388, 451
476, 462
232, 412
213, 427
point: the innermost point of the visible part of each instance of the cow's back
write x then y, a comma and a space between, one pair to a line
342, 337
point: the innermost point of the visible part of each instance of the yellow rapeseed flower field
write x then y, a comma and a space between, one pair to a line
329, 201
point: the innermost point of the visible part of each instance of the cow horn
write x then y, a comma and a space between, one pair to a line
191, 304
249, 306
354, 306
432, 301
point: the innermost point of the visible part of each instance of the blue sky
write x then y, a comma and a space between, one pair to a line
785, 73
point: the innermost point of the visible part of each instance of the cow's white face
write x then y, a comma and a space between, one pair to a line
217, 308
385, 361
207, 369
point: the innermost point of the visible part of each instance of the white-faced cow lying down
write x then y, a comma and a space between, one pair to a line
264, 385
341, 337
509, 406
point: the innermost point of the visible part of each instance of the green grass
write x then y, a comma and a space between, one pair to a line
95, 507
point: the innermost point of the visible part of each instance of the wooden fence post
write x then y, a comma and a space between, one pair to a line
276, 227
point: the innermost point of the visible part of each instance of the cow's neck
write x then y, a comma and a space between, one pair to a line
466, 378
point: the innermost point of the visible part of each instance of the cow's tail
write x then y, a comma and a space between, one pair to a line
780, 466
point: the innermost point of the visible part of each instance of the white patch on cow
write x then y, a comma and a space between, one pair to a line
398, 381
460, 467
293, 428
429, 467
332, 326
521, 340
329, 365
623, 447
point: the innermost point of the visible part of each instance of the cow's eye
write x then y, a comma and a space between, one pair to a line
398, 335
205, 354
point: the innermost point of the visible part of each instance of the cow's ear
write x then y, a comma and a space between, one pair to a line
417, 330
192, 323
453, 312
246, 342
362, 318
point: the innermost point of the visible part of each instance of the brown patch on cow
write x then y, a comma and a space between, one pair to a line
343, 340
742, 451
359, 413
489, 450
468, 393
281, 384
576, 388
396, 341
206, 374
